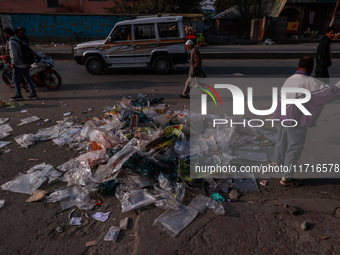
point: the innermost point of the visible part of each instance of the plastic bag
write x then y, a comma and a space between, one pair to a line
26, 140
28, 120
32, 180
216, 207
173, 222
94, 157
200, 203
67, 136
72, 196
246, 185
136, 199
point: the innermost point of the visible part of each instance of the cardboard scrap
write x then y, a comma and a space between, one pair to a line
37, 195
91, 243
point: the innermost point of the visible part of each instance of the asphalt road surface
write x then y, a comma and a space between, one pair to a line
256, 225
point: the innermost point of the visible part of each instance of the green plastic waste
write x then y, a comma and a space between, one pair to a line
217, 197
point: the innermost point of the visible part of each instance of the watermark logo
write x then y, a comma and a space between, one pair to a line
239, 100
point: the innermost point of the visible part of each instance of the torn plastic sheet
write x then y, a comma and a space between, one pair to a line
105, 138
3, 120
3, 144
100, 216
251, 155
32, 180
2, 203
78, 176
94, 157
4, 135
28, 120
26, 140
136, 199
246, 184
72, 196
5, 128
67, 137
116, 161
173, 222
75, 221
200, 203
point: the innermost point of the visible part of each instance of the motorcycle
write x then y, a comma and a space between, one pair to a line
41, 72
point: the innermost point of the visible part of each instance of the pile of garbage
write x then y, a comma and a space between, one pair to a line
137, 152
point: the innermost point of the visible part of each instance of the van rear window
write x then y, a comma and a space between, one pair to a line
168, 30
144, 32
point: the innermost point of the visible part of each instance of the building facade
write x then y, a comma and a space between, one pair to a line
56, 6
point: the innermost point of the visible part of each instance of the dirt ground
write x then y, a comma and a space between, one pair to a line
258, 224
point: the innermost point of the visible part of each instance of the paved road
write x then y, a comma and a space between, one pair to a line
257, 225
302, 47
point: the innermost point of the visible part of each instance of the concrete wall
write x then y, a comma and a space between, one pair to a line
64, 6
62, 28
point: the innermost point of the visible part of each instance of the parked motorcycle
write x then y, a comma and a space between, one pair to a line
41, 72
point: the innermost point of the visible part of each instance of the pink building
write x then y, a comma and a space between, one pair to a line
55, 6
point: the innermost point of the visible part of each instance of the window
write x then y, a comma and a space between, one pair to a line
52, 3
144, 32
121, 33
168, 30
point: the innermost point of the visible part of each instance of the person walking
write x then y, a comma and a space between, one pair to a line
20, 68
323, 54
290, 140
195, 70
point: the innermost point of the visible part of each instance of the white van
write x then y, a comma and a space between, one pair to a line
157, 42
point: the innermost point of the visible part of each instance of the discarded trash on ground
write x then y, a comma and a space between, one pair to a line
28, 120
101, 216
140, 154
37, 195
112, 234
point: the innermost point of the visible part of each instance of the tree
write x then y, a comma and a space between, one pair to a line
222, 5
249, 9
155, 6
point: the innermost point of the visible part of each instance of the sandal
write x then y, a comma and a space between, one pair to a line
290, 183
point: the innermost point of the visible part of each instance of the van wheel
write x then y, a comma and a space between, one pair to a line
94, 65
162, 64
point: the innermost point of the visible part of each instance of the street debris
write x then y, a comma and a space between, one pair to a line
112, 234
33, 179
37, 195
28, 120
251, 155
75, 221
2, 203
174, 221
291, 209
3, 144
305, 225
33, 160
91, 243
234, 194
60, 229
263, 183
140, 153
123, 224
217, 197
101, 216
3, 120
